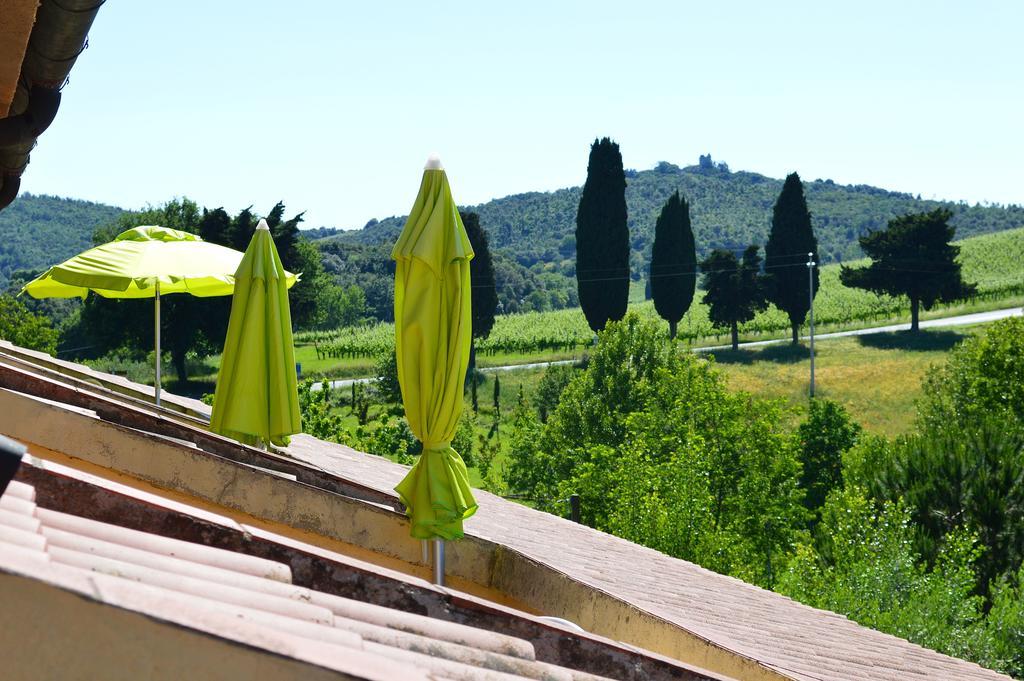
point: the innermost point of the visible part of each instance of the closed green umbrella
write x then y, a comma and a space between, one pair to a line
256, 399
143, 262
432, 339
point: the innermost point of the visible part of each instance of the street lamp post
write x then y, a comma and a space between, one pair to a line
810, 294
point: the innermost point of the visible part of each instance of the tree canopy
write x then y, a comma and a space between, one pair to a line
785, 254
735, 289
481, 274
673, 274
912, 257
602, 237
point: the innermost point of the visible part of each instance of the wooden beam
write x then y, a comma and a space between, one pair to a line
18, 19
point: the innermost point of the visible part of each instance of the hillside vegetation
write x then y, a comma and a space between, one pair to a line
992, 261
39, 231
729, 210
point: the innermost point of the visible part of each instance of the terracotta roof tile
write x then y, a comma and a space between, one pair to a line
198, 586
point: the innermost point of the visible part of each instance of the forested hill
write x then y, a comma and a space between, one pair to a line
729, 209
38, 231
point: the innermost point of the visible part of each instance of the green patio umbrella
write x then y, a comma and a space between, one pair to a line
256, 400
432, 337
143, 262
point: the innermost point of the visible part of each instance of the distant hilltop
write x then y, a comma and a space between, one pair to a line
728, 209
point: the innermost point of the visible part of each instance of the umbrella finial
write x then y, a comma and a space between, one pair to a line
433, 163
263, 225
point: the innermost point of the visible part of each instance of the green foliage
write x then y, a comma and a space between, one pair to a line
983, 378
21, 327
729, 210
991, 260
386, 371
481, 273
1005, 625
342, 307
876, 578
317, 418
822, 440
188, 323
464, 441
662, 454
785, 253
40, 231
556, 377
971, 478
735, 290
673, 274
602, 237
497, 398
913, 257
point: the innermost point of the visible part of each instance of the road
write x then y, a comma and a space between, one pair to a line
959, 320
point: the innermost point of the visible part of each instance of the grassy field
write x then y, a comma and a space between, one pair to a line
876, 377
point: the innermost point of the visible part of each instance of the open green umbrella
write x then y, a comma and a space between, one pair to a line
257, 399
432, 338
143, 262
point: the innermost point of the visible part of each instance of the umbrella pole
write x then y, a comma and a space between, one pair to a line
439, 562
156, 333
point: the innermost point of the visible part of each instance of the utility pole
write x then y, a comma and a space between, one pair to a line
810, 294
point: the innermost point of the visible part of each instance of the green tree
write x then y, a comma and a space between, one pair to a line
497, 398
602, 237
735, 290
790, 240
821, 440
21, 327
971, 478
983, 377
341, 307
673, 262
912, 257
187, 323
661, 453
875, 577
481, 272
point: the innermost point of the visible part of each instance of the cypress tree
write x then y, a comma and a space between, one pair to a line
673, 262
785, 254
481, 274
913, 257
602, 237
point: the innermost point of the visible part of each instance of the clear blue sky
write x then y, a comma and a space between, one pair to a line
334, 106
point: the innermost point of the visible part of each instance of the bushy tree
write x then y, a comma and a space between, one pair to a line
21, 327
735, 290
663, 454
972, 478
790, 240
982, 378
876, 577
673, 262
913, 257
821, 440
602, 237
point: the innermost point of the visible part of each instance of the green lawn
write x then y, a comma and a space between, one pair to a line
876, 377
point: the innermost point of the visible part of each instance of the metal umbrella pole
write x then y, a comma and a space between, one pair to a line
156, 333
439, 562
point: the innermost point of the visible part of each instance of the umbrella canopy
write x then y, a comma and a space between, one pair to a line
143, 263
131, 265
257, 396
432, 340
